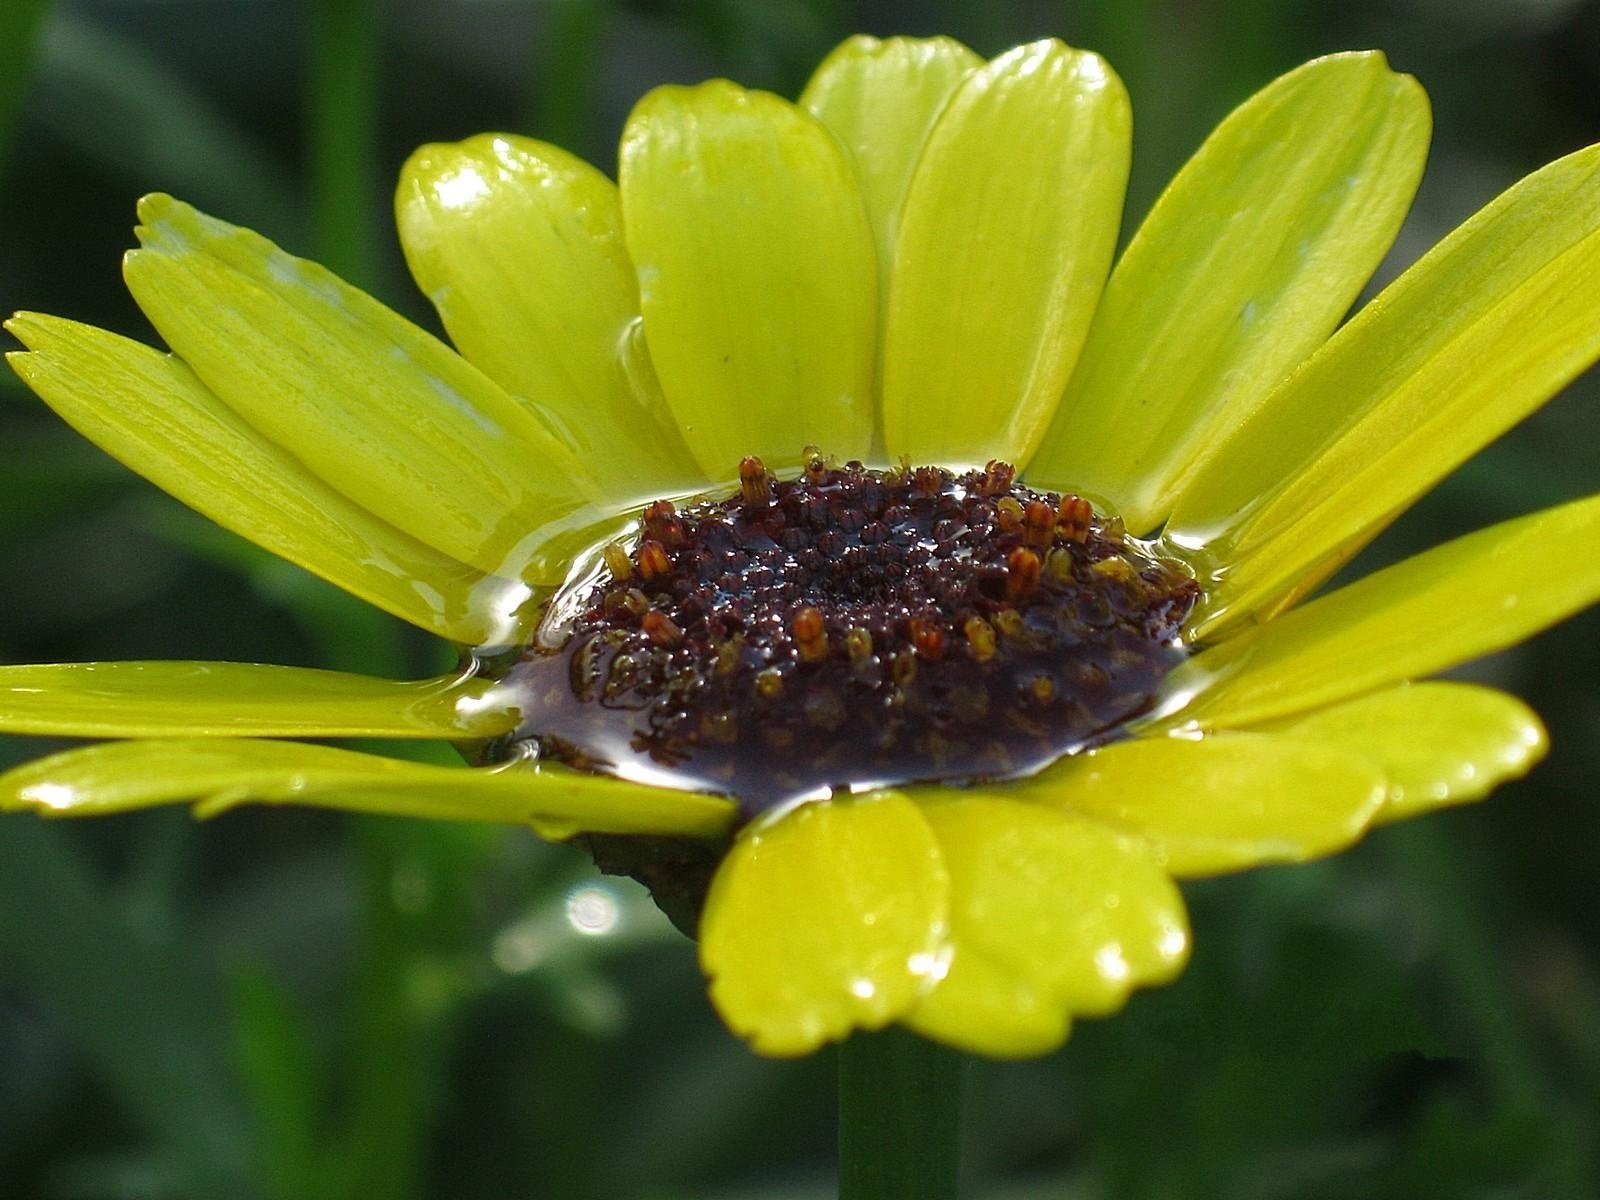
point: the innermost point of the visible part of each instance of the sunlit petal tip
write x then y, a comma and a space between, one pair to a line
38, 332
19, 324
1438, 743
857, 45
867, 66
676, 102
458, 176
1088, 72
171, 226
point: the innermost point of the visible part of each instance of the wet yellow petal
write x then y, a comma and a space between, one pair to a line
224, 699
379, 409
1482, 330
880, 98
1005, 239
519, 245
1051, 915
756, 274
148, 410
984, 1006
1244, 266
1438, 743
1479, 593
220, 774
1223, 802
827, 920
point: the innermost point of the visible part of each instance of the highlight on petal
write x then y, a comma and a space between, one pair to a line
1005, 239
1438, 743
147, 410
1223, 802
880, 97
519, 245
225, 699
828, 919
1244, 266
380, 410
219, 774
1479, 593
1051, 915
756, 274
1481, 331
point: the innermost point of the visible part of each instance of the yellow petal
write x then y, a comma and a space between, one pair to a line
1244, 266
380, 410
224, 699
984, 1006
1223, 802
880, 99
223, 773
1479, 593
148, 410
1005, 239
1051, 915
1438, 743
756, 274
519, 245
1482, 330
826, 920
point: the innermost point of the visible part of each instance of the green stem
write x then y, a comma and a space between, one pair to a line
899, 1118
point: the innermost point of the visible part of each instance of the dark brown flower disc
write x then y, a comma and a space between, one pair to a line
852, 628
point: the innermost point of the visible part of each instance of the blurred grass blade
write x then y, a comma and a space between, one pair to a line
350, 635
343, 112
20, 22
48, 473
144, 1015
396, 1042
122, 107
566, 64
280, 1073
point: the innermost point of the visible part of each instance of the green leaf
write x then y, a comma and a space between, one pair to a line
282, 1081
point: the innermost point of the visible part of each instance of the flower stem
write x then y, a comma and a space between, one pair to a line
899, 1118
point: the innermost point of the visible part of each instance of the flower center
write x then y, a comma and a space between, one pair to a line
853, 628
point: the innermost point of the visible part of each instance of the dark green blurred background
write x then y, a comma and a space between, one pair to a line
294, 1006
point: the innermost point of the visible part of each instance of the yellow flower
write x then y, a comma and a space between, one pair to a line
912, 263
